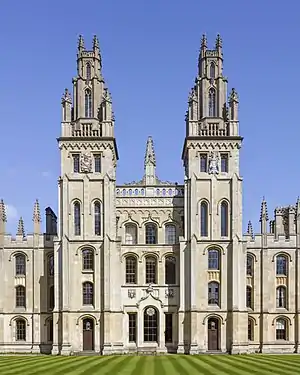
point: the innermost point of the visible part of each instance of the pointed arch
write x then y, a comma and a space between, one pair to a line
212, 102
131, 231
212, 70
88, 103
97, 218
77, 218
204, 218
224, 218
88, 70
151, 233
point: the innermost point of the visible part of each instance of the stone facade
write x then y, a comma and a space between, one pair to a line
150, 265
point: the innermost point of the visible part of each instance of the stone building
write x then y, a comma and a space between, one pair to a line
150, 265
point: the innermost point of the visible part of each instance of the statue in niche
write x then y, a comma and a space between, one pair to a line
213, 166
86, 163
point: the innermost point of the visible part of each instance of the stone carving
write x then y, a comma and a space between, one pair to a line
86, 163
213, 167
169, 293
108, 157
131, 293
150, 311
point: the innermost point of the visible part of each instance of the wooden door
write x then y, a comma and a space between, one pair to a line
88, 334
213, 334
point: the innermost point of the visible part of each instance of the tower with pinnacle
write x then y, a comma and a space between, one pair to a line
213, 211
86, 200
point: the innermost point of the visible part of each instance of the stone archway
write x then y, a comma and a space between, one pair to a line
214, 334
88, 334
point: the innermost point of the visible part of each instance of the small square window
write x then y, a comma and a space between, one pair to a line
224, 163
203, 162
97, 161
76, 163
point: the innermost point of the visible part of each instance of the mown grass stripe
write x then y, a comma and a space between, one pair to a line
236, 363
15, 365
183, 369
201, 364
159, 368
216, 362
263, 363
82, 367
39, 368
139, 366
275, 360
3, 362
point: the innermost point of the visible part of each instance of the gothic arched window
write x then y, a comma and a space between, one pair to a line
250, 265
88, 103
204, 219
97, 218
249, 297
212, 103
281, 297
130, 234
88, 71
170, 270
170, 234
20, 264
20, 330
87, 293
20, 296
151, 234
281, 265
88, 260
281, 329
77, 226
213, 293
212, 70
131, 270
151, 270
213, 259
224, 219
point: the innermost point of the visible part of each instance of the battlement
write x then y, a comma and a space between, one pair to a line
282, 230
30, 240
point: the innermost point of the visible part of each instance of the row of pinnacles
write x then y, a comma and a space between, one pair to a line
284, 228
31, 239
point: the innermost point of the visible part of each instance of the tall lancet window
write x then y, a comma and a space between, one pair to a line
88, 71
224, 219
204, 219
212, 103
88, 103
97, 213
212, 70
77, 226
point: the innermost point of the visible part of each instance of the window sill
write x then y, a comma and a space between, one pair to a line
87, 271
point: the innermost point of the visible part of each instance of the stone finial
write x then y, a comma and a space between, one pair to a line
218, 41
192, 95
36, 212
250, 228
264, 211
95, 42
107, 95
21, 230
66, 97
3, 216
203, 42
298, 208
80, 43
233, 96
150, 153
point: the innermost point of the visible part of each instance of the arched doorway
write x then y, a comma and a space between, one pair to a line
214, 336
88, 334
151, 324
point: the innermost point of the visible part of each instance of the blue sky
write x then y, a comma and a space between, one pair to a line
149, 51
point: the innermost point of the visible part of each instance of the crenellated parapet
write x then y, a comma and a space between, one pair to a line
35, 239
282, 229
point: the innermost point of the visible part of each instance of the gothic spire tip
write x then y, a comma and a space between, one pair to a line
150, 153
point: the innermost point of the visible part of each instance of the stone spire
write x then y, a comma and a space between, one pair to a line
218, 42
264, 216
36, 217
250, 229
150, 163
21, 230
80, 43
3, 218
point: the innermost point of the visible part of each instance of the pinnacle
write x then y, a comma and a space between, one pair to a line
150, 153
36, 212
264, 211
3, 217
21, 230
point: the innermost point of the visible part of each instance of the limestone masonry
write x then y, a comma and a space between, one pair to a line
150, 265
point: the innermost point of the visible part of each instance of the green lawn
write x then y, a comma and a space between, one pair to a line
158, 365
